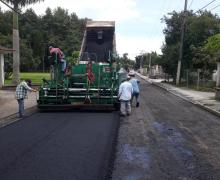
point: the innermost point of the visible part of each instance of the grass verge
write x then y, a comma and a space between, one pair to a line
36, 77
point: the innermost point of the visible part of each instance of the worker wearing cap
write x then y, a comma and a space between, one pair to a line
60, 55
124, 95
135, 85
21, 94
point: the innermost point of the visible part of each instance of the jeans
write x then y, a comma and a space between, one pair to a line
63, 64
125, 107
136, 95
21, 107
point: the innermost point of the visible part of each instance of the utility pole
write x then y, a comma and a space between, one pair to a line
181, 44
149, 63
141, 61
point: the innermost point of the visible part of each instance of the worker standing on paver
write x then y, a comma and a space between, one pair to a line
135, 85
124, 95
21, 94
60, 54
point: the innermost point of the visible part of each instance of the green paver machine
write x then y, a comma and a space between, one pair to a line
93, 82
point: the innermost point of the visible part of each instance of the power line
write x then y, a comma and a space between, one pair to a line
190, 4
205, 6
10, 7
13, 9
214, 7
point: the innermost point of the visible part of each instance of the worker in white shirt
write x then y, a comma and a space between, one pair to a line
124, 95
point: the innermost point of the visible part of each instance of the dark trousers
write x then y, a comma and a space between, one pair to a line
21, 107
136, 95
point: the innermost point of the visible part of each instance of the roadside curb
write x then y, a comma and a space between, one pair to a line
13, 87
14, 117
160, 85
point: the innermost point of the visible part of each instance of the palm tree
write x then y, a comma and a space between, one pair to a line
16, 52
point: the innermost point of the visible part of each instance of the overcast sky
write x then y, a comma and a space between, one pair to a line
138, 22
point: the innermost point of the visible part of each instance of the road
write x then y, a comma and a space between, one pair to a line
166, 138
55, 146
169, 139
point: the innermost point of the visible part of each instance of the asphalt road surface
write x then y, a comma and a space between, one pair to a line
183, 139
167, 138
58, 146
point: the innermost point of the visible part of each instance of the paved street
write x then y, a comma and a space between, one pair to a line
168, 138
55, 146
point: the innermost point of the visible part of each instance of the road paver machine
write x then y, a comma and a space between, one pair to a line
93, 82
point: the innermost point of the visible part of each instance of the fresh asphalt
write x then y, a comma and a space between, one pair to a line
183, 138
167, 138
58, 146
182, 141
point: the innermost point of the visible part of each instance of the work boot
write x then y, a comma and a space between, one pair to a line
122, 115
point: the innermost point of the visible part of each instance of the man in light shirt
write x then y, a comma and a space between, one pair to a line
124, 95
21, 94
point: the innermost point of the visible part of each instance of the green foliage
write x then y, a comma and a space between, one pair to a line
6, 27
126, 63
22, 3
198, 28
147, 59
170, 59
8, 65
201, 59
213, 45
56, 27
72, 60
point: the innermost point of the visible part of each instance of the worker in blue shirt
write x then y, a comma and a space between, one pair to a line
136, 89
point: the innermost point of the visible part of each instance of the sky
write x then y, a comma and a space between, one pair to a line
139, 28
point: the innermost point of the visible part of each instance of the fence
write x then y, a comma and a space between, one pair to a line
198, 79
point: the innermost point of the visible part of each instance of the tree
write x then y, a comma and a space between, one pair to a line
198, 28
213, 47
63, 30
5, 39
147, 60
126, 63
202, 59
38, 32
16, 52
72, 60
137, 62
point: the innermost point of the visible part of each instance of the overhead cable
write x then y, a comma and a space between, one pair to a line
205, 6
190, 3
13, 9
214, 7
10, 7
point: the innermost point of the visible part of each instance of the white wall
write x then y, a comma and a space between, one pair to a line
2, 78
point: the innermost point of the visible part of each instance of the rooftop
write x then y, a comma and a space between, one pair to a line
5, 50
100, 24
